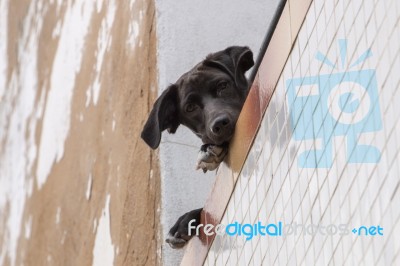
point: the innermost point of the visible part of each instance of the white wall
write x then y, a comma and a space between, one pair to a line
276, 186
187, 31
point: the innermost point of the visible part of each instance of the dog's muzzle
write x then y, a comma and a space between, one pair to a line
221, 129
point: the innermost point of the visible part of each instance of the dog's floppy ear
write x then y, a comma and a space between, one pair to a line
243, 59
163, 116
235, 61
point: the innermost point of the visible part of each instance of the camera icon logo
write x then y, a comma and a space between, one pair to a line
339, 104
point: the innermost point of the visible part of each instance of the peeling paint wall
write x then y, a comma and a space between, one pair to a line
77, 185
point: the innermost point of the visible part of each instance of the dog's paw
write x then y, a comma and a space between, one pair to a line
176, 241
179, 234
210, 157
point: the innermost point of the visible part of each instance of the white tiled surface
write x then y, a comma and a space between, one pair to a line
272, 186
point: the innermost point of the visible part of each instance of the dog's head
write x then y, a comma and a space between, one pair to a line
207, 99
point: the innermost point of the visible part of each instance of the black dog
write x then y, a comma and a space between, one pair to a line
207, 100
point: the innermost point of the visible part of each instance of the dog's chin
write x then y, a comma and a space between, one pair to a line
219, 141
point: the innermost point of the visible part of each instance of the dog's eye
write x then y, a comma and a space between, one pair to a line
221, 86
190, 107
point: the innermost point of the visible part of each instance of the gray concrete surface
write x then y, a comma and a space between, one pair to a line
187, 31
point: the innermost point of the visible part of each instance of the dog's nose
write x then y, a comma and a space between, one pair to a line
219, 125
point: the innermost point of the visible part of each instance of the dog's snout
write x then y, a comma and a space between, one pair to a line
219, 125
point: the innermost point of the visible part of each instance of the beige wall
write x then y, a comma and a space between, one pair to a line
100, 198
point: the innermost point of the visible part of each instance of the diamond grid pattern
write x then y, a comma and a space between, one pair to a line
272, 187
